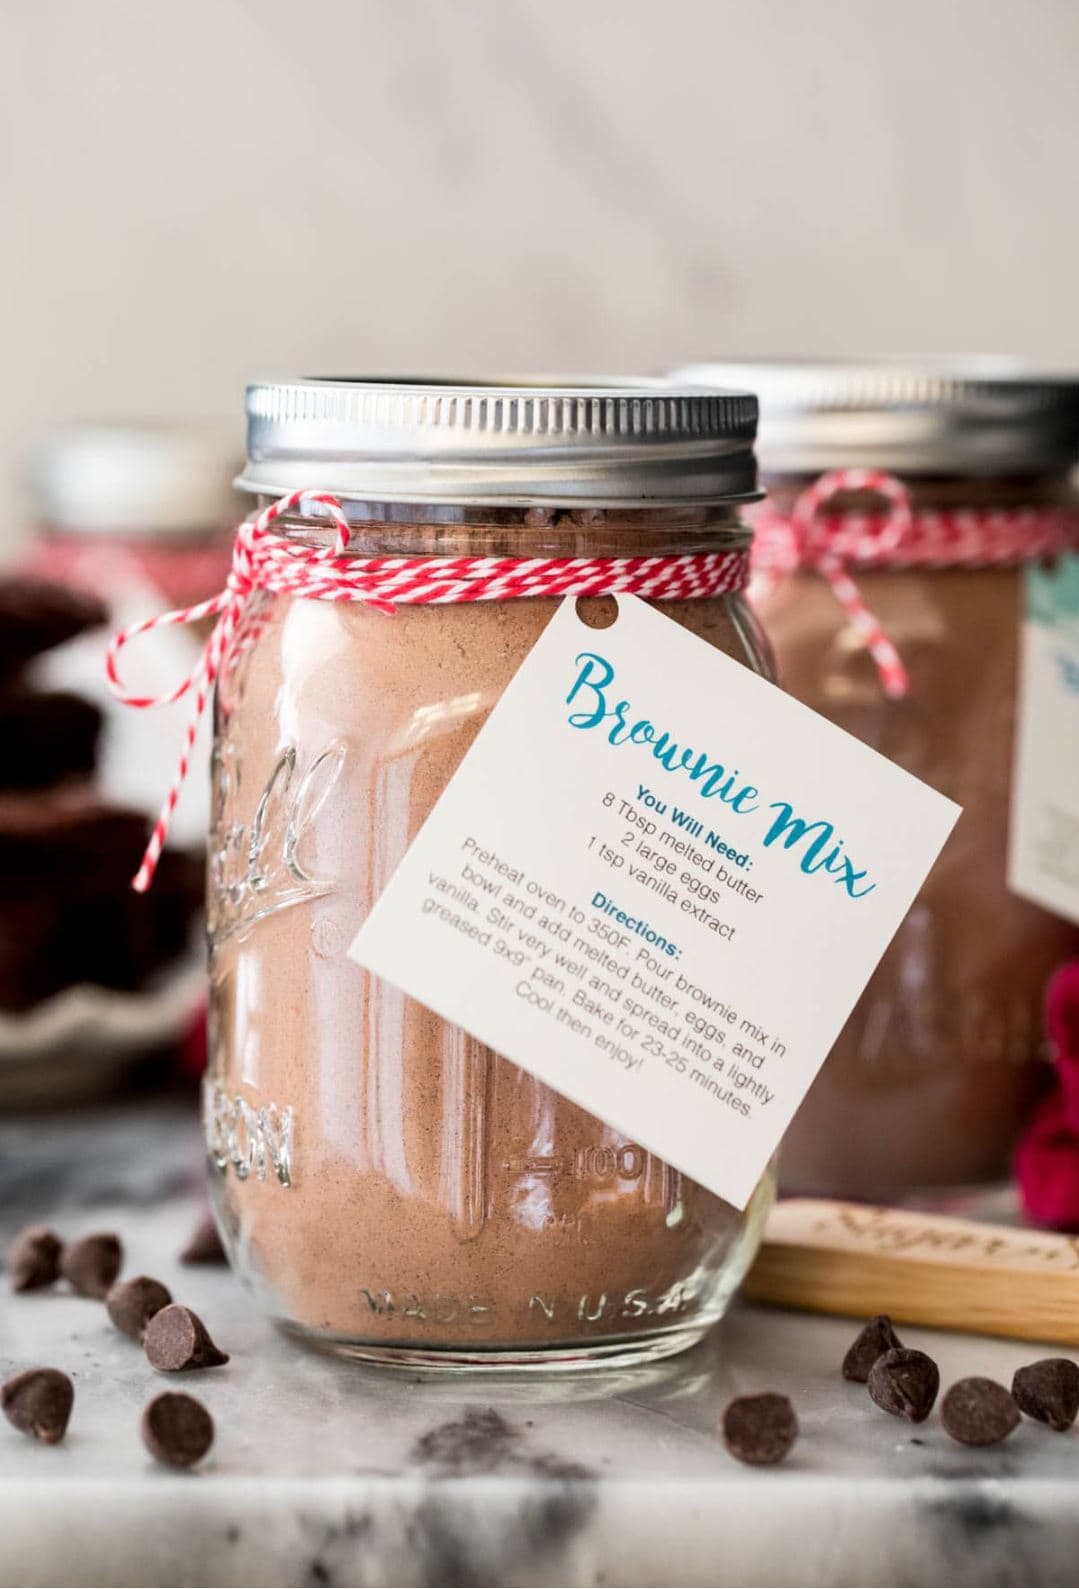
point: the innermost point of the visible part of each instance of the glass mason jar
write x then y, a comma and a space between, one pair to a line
393, 1189
931, 1080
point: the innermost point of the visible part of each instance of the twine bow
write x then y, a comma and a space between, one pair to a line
832, 543
262, 560
807, 539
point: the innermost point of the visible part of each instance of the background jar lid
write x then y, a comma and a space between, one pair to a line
607, 442
135, 481
980, 416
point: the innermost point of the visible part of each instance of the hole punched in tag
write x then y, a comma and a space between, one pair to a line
597, 612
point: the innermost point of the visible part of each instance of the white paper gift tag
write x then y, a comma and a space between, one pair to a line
659, 884
1044, 842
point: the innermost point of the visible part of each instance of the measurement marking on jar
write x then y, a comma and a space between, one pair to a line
538, 1164
626, 1163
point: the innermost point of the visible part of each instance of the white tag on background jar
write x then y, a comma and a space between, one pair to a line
1043, 862
658, 884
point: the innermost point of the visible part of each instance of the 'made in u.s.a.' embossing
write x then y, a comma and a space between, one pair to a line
478, 1312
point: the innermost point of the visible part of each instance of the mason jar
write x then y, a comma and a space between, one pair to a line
932, 1079
143, 506
393, 1189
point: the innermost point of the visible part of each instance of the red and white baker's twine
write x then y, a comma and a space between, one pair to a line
265, 561
899, 537
807, 538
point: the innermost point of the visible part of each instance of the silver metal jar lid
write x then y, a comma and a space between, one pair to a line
608, 443
966, 416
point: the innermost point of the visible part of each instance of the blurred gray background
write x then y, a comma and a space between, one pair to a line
192, 194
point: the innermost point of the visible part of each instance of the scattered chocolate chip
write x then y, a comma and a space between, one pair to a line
1049, 1391
33, 1259
132, 1304
177, 1430
760, 1430
92, 1263
979, 1412
876, 1338
39, 1402
905, 1382
176, 1340
205, 1244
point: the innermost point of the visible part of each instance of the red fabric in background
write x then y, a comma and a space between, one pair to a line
1047, 1159
192, 1053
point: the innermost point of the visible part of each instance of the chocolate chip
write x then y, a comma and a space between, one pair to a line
177, 1430
39, 1402
92, 1263
978, 1412
876, 1338
1049, 1391
33, 1259
905, 1382
132, 1304
176, 1340
760, 1430
205, 1244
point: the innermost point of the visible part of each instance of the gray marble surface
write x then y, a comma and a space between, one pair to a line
327, 1473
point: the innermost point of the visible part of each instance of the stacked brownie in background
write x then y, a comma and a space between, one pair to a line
46, 736
67, 912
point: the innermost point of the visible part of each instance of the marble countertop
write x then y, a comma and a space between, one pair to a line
328, 1473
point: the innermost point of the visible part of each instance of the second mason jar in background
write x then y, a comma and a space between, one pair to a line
134, 503
903, 501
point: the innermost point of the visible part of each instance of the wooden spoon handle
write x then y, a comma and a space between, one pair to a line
930, 1269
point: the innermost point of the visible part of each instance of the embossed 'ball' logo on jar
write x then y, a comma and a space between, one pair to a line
259, 869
